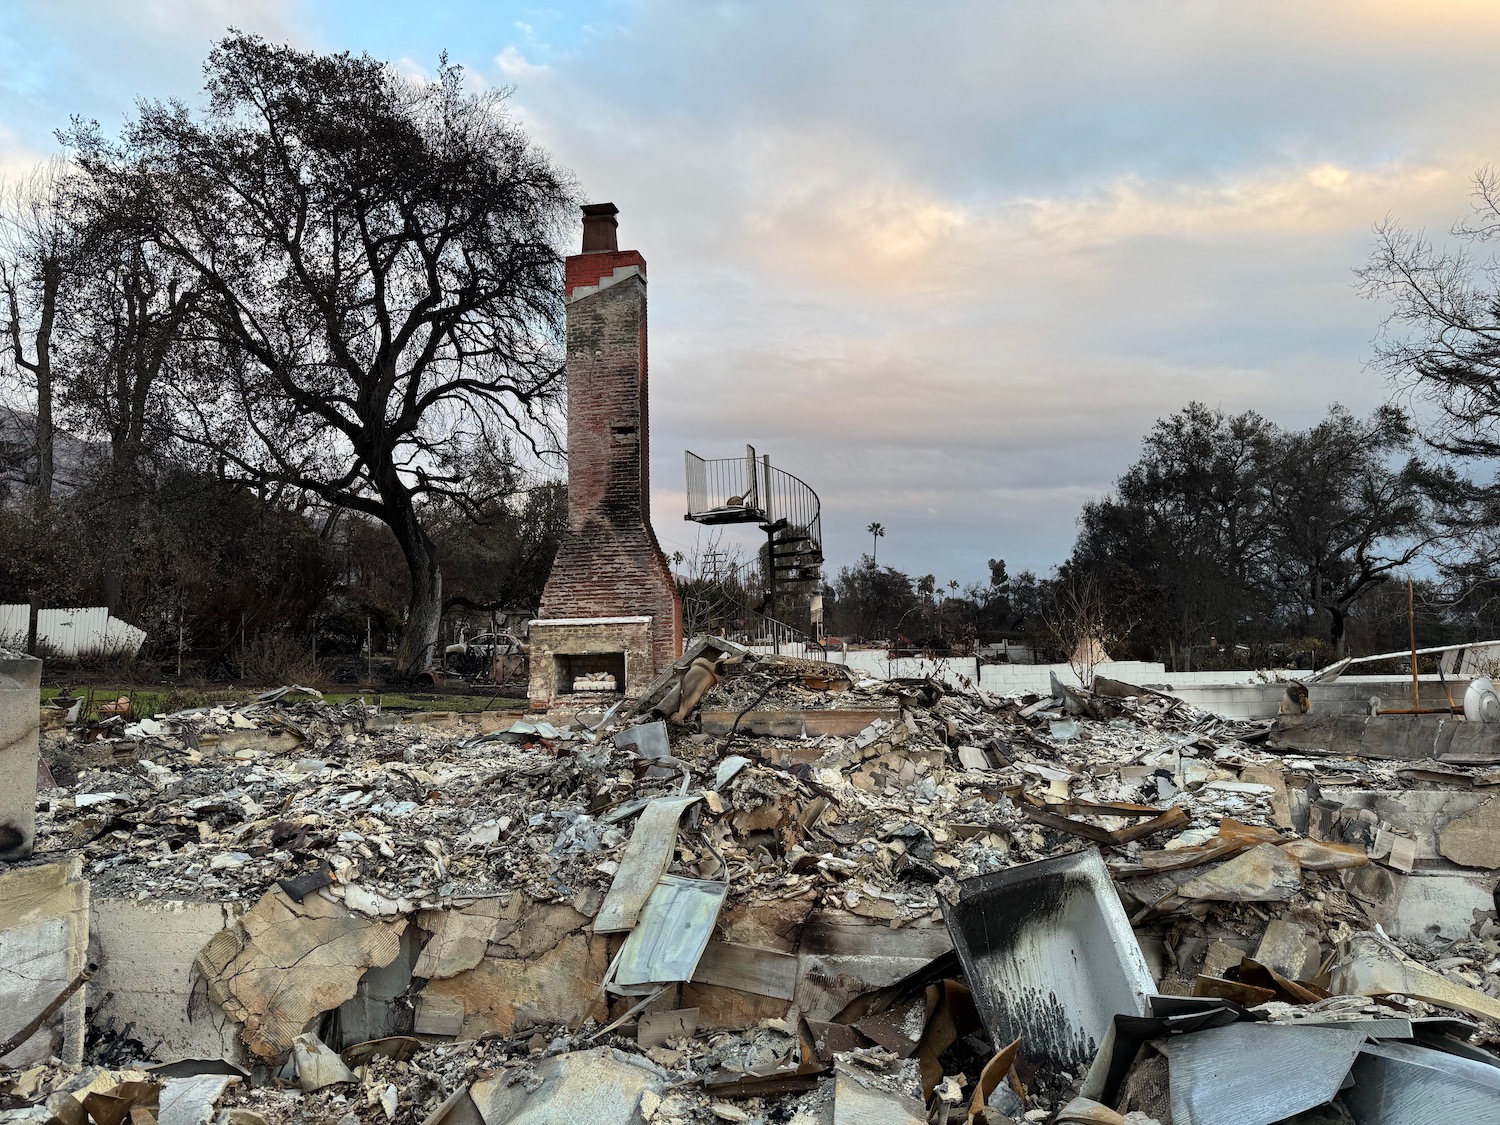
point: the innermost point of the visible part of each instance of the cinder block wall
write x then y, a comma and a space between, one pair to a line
610, 563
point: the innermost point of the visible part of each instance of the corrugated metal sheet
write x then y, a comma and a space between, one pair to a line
71, 633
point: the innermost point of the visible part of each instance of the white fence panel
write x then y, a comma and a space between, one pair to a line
71, 633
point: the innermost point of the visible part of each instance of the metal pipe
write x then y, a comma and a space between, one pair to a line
1332, 670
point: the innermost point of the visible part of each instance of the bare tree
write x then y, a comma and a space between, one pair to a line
36, 254
377, 289
1078, 620
1441, 338
36, 245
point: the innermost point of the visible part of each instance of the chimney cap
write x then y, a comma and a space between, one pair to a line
599, 225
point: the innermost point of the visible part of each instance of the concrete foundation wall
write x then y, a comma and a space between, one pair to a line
1235, 694
20, 708
145, 950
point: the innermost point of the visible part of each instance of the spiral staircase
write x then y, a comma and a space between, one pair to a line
738, 490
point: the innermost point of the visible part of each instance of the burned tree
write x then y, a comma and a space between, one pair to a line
377, 292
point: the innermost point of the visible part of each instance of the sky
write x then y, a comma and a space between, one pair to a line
946, 261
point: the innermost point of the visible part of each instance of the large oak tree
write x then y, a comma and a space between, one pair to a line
377, 285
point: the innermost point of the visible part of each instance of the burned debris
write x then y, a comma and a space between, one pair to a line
789, 892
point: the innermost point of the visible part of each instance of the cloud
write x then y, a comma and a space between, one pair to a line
946, 262
513, 65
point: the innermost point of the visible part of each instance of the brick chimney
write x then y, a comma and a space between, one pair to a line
610, 610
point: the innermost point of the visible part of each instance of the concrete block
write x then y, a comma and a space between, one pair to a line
145, 950
44, 943
20, 713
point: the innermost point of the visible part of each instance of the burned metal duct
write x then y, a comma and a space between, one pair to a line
1051, 959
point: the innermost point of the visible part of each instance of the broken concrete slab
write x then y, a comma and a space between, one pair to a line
1433, 901
1473, 839
284, 963
602, 1086
1390, 737
44, 939
1421, 814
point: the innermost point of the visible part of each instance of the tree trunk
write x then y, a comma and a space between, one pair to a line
51, 281
1336, 624
424, 608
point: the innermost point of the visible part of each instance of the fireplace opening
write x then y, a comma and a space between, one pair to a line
591, 673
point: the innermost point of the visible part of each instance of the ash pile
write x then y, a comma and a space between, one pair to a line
769, 890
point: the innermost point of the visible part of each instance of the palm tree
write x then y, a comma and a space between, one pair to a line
877, 532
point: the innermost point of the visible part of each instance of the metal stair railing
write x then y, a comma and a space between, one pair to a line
781, 635
751, 490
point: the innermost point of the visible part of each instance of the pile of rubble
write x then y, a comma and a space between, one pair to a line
766, 891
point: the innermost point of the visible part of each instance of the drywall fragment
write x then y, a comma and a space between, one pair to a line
1473, 839
459, 938
317, 1066
601, 1087
643, 864
1263, 874
1370, 965
44, 938
286, 962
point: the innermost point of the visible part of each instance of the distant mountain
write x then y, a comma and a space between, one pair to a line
71, 456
